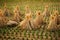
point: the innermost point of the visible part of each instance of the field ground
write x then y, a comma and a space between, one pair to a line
14, 33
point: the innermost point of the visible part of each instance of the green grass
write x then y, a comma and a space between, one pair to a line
33, 4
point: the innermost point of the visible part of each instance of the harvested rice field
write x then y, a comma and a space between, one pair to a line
18, 22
